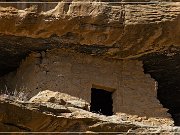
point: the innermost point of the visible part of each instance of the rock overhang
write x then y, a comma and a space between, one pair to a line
145, 32
121, 31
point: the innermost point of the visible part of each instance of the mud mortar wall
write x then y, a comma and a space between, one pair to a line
75, 74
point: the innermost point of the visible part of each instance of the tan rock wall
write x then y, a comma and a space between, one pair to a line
125, 30
75, 74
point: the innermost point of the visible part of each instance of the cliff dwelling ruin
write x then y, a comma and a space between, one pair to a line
116, 61
110, 86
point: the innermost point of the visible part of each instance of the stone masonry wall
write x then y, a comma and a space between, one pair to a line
75, 74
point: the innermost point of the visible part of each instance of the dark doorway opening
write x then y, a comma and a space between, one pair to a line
101, 102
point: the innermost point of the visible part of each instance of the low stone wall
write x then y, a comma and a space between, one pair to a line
75, 74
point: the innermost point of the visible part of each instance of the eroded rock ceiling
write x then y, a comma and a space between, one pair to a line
121, 31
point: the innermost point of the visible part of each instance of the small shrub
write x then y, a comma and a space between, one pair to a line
20, 95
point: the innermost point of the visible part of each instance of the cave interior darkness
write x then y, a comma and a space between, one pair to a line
165, 69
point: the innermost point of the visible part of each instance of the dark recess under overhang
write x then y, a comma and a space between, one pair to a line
165, 69
13, 49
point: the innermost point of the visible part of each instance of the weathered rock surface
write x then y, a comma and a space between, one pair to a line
100, 24
120, 31
111, 30
39, 114
60, 98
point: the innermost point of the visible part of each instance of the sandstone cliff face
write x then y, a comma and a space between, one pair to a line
126, 30
118, 31
129, 28
122, 31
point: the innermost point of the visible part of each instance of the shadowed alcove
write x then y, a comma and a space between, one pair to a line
101, 102
165, 69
